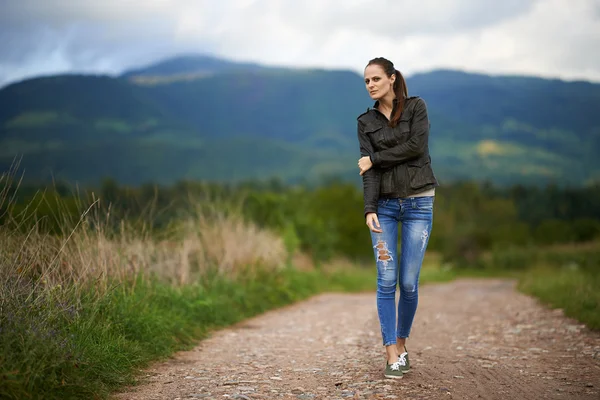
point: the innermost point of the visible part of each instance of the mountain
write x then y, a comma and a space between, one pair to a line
205, 118
186, 68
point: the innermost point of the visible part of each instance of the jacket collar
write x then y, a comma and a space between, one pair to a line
394, 102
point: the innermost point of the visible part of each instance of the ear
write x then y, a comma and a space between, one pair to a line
393, 78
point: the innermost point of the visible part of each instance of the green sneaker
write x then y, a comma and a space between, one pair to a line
404, 361
393, 371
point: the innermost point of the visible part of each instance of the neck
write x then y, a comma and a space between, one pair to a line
387, 102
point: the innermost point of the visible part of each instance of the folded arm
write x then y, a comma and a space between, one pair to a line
372, 177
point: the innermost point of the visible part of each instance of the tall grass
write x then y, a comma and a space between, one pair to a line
80, 309
84, 308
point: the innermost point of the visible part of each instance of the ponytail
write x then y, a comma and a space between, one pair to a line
401, 92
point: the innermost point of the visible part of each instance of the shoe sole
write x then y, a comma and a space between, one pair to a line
393, 376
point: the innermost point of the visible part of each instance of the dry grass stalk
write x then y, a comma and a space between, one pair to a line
87, 255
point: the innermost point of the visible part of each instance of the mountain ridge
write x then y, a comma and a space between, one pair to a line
503, 129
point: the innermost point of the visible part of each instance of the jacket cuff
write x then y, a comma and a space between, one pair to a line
375, 159
370, 209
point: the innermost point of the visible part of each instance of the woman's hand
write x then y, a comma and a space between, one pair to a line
373, 223
364, 164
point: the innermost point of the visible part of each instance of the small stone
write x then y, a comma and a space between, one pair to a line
589, 385
246, 389
459, 377
276, 378
298, 390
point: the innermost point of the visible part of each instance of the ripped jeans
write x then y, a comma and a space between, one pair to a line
415, 216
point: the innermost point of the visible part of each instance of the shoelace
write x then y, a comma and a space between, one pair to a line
395, 366
402, 359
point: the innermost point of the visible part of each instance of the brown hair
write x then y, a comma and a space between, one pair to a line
400, 88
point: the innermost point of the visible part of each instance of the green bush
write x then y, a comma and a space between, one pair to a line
554, 231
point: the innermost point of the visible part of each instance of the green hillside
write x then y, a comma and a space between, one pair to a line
204, 118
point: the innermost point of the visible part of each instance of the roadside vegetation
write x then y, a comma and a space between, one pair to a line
97, 283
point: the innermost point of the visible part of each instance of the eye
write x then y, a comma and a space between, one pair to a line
376, 79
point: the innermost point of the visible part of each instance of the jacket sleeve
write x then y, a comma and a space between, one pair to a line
414, 147
372, 178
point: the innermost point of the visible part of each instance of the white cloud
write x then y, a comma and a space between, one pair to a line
554, 38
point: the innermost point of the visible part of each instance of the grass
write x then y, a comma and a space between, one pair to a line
575, 291
83, 310
90, 346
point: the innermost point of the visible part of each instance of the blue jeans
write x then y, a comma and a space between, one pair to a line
416, 216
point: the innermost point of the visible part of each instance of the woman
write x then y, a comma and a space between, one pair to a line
399, 187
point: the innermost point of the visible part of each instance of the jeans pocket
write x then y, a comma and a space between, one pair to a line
382, 202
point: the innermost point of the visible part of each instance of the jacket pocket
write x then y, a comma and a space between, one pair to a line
404, 125
420, 173
375, 135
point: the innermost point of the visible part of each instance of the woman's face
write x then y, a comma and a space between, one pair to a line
377, 82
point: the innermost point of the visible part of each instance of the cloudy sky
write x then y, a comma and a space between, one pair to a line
550, 38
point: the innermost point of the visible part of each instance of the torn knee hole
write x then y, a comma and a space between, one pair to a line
383, 253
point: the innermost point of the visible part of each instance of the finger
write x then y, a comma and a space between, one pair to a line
376, 225
372, 225
376, 221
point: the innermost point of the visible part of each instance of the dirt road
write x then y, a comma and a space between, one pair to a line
472, 339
